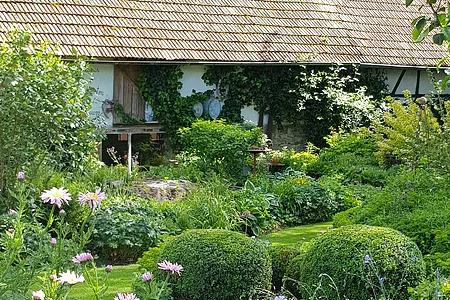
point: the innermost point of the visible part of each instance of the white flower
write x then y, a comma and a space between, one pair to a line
70, 278
38, 295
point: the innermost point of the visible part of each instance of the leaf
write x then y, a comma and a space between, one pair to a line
408, 2
444, 82
438, 38
446, 32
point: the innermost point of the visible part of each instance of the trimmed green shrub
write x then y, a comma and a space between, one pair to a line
280, 256
363, 262
218, 264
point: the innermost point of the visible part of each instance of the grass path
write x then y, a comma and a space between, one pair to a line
296, 235
119, 280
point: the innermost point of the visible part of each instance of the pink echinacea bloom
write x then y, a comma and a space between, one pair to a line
38, 295
20, 175
56, 196
12, 212
147, 276
172, 267
53, 241
82, 257
94, 200
108, 268
122, 296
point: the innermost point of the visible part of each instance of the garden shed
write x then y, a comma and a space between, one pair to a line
122, 36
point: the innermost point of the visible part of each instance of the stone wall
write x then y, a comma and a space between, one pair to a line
290, 136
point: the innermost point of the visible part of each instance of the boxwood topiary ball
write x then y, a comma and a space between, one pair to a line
358, 262
218, 264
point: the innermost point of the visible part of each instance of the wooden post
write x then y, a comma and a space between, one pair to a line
129, 154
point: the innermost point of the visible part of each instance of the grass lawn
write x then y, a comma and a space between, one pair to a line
119, 280
295, 235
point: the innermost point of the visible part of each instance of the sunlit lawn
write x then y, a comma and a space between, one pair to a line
120, 280
297, 235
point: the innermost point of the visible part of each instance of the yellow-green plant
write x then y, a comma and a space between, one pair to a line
412, 134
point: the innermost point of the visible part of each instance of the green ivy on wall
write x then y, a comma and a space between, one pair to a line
159, 86
315, 98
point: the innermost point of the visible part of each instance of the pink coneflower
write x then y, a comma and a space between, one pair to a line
147, 276
122, 296
168, 266
70, 278
53, 241
82, 257
38, 295
94, 200
20, 175
12, 212
108, 268
56, 196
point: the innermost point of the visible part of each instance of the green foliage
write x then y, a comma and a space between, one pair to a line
415, 203
298, 199
159, 86
44, 103
364, 262
150, 258
281, 257
431, 288
298, 161
343, 195
213, 205
218, 264
219, 146
124, 229
412, 134
253, 209
315, 98
345, 218
352, 157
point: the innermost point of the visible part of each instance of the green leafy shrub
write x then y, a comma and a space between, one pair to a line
343, 195
345, 218
218, 264
417, 203
411, 133
219, 146
364, 262
280, 256
124, 229
44, 107
349, 155
299, 199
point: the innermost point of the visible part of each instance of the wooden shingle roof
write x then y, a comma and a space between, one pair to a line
322, 31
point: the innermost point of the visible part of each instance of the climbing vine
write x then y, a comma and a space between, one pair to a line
159, 86
315, 98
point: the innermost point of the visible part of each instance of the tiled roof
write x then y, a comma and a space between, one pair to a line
323, 31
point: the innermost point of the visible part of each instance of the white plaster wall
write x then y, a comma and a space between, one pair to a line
103, 84
192, 80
